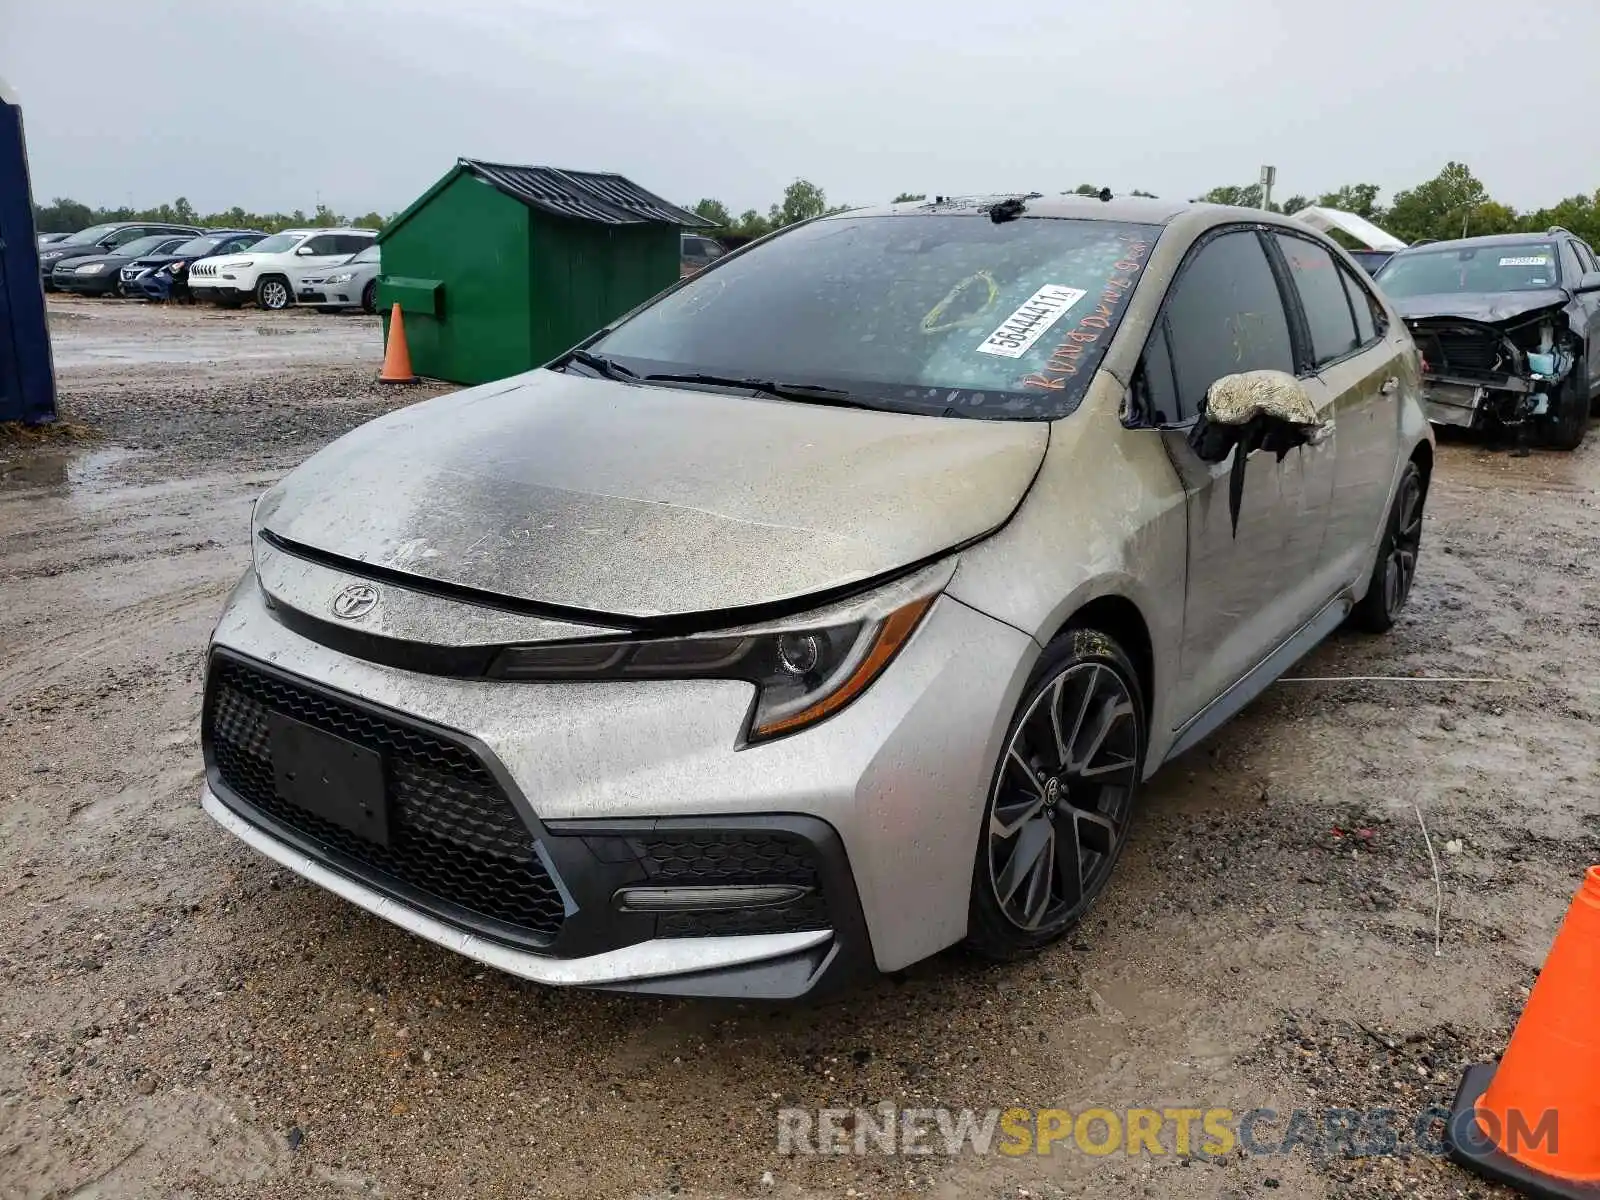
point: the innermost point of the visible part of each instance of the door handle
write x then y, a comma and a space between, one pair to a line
1389, 386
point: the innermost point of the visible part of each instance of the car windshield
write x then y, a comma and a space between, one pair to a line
89, 236
370, 254
277, 243
144, 245
949, 314
199, 245
1507, 267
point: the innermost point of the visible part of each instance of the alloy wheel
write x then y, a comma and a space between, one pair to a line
1063, 795
274, 294
1400, 571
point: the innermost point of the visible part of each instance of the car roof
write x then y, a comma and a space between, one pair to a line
1138, 209
1490, 239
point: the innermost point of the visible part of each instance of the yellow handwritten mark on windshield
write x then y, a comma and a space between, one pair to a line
931, 322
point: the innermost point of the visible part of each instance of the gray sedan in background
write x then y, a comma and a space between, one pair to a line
351, 284
829, 609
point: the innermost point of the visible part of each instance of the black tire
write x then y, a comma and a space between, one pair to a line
1062, 797
1564, 427
369, 297
1395, 570
273, 293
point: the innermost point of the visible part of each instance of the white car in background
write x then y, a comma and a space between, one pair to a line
351, 284
265, 273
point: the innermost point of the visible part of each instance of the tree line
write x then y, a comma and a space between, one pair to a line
1454, 203
69, 216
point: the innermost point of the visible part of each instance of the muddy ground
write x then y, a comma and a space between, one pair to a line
179, 1017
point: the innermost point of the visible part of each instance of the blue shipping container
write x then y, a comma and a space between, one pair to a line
27, 378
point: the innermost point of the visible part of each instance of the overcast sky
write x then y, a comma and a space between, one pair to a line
366, 102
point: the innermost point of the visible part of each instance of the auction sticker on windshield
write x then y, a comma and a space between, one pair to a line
1528, 260
1018, 332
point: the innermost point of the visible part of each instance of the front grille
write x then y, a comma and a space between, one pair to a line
1453, 351
454, 836
743, 856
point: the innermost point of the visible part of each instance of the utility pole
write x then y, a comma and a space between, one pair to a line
1269, 176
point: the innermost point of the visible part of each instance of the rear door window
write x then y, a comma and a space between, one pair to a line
1225, 315
1323, 297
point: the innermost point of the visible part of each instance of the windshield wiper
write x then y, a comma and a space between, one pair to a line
810, 393
600, 363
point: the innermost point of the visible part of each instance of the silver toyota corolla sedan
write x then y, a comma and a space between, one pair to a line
829, 609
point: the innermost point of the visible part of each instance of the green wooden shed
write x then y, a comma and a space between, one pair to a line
499, 268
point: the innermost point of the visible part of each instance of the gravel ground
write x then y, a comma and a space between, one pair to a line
179, 1017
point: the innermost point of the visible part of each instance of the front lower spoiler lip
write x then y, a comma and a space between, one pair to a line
658, 958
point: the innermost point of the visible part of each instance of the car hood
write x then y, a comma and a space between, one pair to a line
78, 260
637, 501
1488, 307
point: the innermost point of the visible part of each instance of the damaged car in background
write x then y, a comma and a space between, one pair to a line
1509, 330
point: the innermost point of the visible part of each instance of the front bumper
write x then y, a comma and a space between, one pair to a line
882, 803
319, 292
216, 287
103, 284
765, 966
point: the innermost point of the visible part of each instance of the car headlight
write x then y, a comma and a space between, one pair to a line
343, 277
803, 670
51, 255
90, 269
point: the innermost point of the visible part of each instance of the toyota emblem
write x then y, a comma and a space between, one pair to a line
355, 601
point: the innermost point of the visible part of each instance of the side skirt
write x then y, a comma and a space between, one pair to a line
1261, 676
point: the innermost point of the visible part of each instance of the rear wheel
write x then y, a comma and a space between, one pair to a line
1061, 799
1396, 568
272, 292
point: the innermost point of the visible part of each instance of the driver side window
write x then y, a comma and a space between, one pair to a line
1224, 315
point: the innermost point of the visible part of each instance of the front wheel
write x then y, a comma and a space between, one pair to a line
369, 297
273, 293
1062, 797
1568, 421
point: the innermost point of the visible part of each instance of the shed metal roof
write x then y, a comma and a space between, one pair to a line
600, 197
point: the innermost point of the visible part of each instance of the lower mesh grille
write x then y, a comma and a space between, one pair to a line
454, 836
737, 857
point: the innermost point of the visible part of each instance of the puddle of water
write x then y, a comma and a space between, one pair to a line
54, 471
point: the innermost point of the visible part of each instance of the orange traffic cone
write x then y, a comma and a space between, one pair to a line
396, 358
1534, 1121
